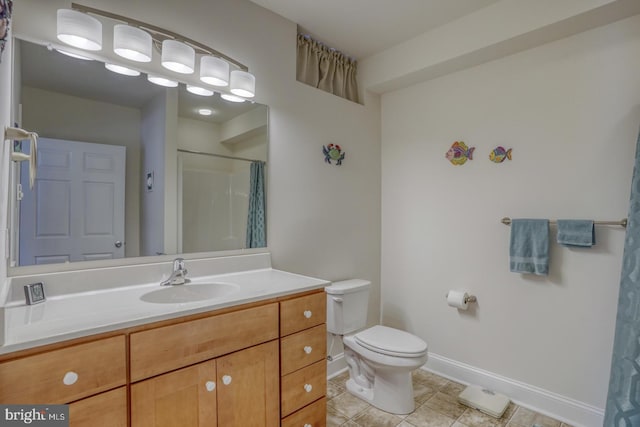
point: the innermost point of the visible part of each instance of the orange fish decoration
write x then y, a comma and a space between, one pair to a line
459, 153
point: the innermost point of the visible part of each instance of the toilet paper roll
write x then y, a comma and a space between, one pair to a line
458, 299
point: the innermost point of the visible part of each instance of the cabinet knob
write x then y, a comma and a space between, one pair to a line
308, 349
210, 385
307, 314
70, 378
308, 425
308, 388
226, 379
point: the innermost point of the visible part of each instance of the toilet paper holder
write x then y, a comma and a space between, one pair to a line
468, 298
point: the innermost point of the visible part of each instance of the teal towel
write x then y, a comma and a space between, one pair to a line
576, 232
529, 246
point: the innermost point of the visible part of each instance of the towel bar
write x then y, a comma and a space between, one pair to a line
621, 223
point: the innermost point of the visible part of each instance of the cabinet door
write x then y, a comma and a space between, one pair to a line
185, 398
248, 387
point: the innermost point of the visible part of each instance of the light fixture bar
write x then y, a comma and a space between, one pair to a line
199, 47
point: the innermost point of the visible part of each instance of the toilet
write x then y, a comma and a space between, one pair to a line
380, 358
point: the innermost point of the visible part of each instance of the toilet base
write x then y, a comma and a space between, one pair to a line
391, 392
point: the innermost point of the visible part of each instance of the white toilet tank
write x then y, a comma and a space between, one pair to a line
347, 305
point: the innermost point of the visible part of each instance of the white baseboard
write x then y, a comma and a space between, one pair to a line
336, 365
570, 411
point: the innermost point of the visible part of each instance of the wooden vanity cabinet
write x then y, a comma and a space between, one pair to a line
108, 409
235, 383
303, 366
79, 375
240, 389
261, 365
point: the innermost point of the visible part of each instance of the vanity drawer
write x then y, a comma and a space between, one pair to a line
302, 313
303, 348
107, 409
314, 415
303, 387
171, 347
85, 368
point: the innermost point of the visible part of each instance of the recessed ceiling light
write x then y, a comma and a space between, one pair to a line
205, 111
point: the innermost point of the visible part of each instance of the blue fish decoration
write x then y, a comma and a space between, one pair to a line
499, 154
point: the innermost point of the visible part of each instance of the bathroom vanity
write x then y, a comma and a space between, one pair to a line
255, 356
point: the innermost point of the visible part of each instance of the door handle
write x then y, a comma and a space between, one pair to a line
118, 244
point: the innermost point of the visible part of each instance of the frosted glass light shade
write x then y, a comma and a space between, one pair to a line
73, 55
162, 81
214, 71
79, 30
231, 98
242, 84
132, 43
121, 70
199, 91
178, 57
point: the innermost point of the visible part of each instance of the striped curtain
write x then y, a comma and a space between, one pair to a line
256, 218
623, 399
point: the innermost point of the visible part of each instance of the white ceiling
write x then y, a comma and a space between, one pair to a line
360, 28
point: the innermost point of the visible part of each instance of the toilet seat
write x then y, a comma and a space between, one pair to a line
392, 342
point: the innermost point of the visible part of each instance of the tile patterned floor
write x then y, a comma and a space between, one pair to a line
436, 406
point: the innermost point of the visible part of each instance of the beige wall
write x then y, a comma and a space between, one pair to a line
570, 110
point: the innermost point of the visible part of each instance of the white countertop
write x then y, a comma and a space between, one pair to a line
64, 317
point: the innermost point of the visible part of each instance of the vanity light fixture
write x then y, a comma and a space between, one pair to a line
132, 43
178, 57
122, 70
243, 84
214, 71
79, 30
205, 111
162, 81
196, 90
135, 40
231, 98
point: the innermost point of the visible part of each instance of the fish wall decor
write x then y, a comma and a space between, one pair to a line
499, 153
459, 153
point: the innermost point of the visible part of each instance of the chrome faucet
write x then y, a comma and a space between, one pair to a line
178, 275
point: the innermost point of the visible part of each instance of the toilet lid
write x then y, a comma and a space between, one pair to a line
393, 342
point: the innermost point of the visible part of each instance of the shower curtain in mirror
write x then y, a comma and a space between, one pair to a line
256, 223
623, 400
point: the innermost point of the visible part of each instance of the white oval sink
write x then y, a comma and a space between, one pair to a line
188, 293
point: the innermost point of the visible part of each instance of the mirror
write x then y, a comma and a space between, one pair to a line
179, 181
